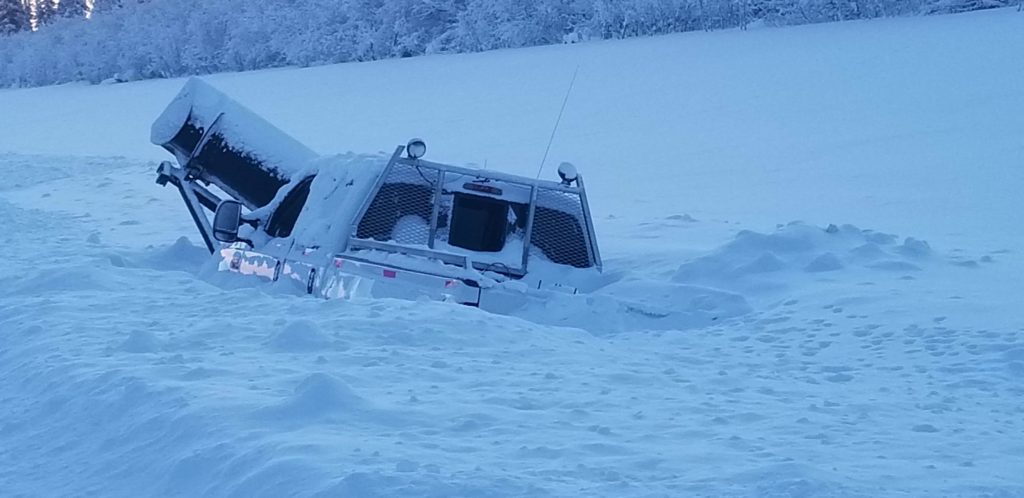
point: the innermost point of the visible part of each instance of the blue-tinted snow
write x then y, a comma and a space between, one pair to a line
882, 356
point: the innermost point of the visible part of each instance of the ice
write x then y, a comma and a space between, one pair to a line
872, 349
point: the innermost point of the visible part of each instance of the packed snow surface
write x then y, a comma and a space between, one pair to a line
813, 260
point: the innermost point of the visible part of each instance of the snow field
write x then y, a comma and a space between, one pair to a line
126, 372
755, 356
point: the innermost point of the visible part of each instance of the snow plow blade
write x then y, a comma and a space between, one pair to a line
218, 141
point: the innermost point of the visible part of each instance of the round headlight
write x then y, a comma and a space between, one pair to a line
416, 148
567, 172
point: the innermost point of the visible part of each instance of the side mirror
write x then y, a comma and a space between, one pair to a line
226, 220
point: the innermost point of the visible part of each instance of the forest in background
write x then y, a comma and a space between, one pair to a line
44, 42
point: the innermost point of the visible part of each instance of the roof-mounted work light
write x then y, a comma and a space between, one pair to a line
567, 172
416, 148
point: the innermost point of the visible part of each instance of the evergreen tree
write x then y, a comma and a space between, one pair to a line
14, 17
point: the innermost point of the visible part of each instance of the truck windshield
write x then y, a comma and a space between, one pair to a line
283, 220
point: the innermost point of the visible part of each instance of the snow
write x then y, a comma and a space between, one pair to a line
342, 185
874, 348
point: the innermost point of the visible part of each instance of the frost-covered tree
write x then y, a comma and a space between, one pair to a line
136, 39
72, 8
104, 6
956, 6
45, 11
14, 17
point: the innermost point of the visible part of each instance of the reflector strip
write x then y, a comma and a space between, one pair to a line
482, 188
389, 273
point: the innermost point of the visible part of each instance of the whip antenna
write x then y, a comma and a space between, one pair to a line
558, 121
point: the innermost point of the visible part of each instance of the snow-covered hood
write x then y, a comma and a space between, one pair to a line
341, 185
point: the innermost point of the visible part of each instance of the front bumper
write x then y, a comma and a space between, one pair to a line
347, 276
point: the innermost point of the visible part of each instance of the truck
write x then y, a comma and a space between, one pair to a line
349, 225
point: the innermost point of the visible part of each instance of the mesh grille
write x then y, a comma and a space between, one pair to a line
400, 212
558, 228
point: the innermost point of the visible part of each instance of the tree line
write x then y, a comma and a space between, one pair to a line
57, 41
26, 15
